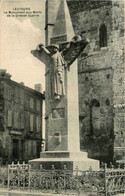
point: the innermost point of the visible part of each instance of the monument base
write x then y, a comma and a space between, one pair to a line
62, 159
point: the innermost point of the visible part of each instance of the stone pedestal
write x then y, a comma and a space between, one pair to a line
70, 160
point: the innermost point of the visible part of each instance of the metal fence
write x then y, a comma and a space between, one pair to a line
114, 180
107, 181
3, 176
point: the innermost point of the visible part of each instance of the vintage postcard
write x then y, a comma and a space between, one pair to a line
62, 101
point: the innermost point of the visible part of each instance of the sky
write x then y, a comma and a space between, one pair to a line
18, 36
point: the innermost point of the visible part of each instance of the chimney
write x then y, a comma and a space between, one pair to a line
4, 74
22, 83
38, 87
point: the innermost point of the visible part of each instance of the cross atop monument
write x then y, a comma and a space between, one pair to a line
61, 95
62, 115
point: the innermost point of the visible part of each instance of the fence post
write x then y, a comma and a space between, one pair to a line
77, 170
65, 168
29, 175
18, 173
52, 177
105, 169
77, 180
8, 176
41, 167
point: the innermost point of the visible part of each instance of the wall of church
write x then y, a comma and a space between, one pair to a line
118, 16
101, 75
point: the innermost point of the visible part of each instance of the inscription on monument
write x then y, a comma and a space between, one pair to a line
58, 113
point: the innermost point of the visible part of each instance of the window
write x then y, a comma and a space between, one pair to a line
103, 36
94, 116
15, 150
38, 146
16, 120
31, 122
34, 149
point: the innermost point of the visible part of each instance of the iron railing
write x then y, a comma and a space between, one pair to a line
114, 180
107, 181
3, 176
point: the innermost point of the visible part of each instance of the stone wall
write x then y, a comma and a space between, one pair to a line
101, 74
96, 112
118, 16
119, 127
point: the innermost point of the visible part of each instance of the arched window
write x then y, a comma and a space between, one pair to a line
103, 36
94, 116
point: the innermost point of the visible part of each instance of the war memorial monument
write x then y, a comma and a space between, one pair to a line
61, 97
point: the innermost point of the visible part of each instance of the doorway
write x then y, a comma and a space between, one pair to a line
15, 150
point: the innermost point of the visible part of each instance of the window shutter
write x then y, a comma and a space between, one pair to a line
16, 95
22, 121
31, 122
38, 124
22, 96
9, 118
38, 105
31, 103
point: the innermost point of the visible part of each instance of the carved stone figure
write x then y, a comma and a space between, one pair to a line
60, 58
57, 66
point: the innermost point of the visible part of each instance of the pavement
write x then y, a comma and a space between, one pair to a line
23, 193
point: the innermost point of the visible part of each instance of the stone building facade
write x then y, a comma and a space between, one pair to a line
20, 120
101, 72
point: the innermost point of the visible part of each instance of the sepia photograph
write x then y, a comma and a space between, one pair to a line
62, 97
